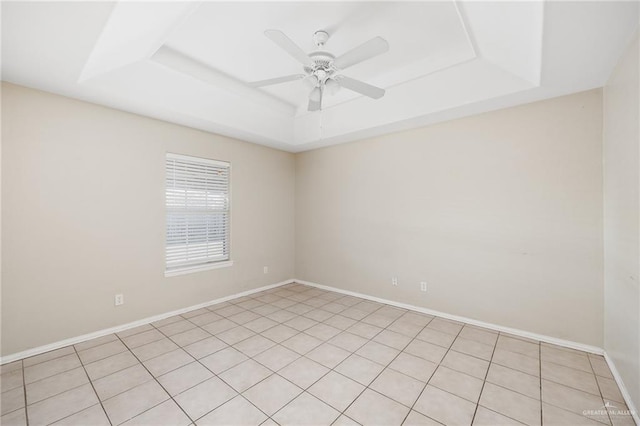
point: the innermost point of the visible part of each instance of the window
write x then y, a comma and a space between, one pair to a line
198, 216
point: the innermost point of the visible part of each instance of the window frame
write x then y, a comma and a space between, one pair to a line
206, 265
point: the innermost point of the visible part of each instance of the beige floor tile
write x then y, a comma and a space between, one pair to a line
272, 394
479, 335
457, 383
570, 399
413, 366
205, 318
306, 410
514, 380
100, 352
250, 304
261, 324
167, 413
142, 338
194, 313
300, 308
334, 308
319, 315
235, 335
392, 339
110, 386
205, 397
348, 341
265, 310
554, 416
190, 336
436, 337
367, 331
229, 310
96, 342
336, 390
416, 318
254, 345
473, 348
446, 326
371, 408
11, 380
282, 316
219, 326
11, 366
416, 419
377, 352
154, 349
405, 327
467, 364
445, 407
398, 386
244, 375
426, 350
600, 366
223, 360
486, 417
277, 357
92, 416
110, 365
303, 372
609, 389
323, 332
579, 361
570, 377
237, 412
516, 361
51, 368
300, 323
279, 333
511, 404
302, 343
11, 400
205, 347
243, 317
328, 355
170, 361
340, 322
135, 330
378, 320
62, 405
518, 346
129, 404
45, 388
15, 418
178, 381
48, 356
359, 369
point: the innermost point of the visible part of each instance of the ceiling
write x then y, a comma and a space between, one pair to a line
190, 62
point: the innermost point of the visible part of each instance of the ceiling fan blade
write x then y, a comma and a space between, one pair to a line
360, 87
279, 38
313, 106
277, 80
367, 50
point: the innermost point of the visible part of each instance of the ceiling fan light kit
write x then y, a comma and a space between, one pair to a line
323, 70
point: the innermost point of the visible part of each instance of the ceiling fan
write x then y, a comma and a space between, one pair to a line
322, 70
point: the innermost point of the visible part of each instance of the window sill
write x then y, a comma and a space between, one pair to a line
189, 270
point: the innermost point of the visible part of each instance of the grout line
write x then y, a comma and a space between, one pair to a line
24, 389
92, 387
484, 381
540, 383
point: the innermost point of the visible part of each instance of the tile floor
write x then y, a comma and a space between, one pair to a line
296, 355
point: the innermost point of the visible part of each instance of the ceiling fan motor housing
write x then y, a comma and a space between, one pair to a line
323, 68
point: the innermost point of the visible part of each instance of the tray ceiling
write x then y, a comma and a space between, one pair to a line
191, 62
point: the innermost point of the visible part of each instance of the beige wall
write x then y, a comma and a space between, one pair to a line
622, 219
83, 217
500, 213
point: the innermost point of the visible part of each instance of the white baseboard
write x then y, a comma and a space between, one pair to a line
623, 389
79, 339
514, 331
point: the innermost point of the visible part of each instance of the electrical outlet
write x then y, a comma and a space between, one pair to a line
394, 281
423, 286
265, 269
119, 299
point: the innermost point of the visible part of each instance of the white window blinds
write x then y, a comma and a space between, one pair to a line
197, 204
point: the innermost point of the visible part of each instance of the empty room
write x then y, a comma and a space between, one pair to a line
320, 213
